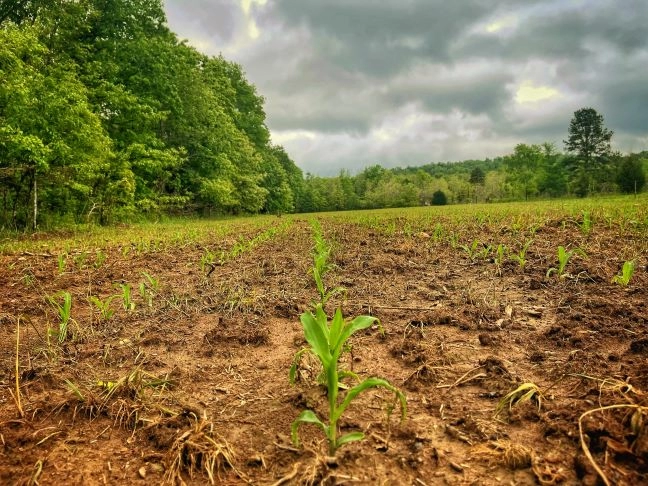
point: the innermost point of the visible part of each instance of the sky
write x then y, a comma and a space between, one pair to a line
354, 83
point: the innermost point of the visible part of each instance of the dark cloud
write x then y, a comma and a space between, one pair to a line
350, 83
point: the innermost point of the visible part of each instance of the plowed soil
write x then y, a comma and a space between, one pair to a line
200, 372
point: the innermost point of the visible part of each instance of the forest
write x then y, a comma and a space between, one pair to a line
106, 116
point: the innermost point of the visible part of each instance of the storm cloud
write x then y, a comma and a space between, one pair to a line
351, 83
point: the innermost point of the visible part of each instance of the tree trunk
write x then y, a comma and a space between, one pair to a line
35, 189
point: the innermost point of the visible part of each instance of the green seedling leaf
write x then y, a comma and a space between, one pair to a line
366, 385
306, 417
317, 334
350, 437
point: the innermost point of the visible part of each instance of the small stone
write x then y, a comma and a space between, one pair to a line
142, 472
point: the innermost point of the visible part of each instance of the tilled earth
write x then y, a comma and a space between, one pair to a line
196, 379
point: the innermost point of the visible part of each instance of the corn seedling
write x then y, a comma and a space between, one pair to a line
64, 311
80, 260
126, 297
500, 255
327, 341
321, 266
438, 232
149, 289
62, 262
520, 257
100, 259
207, 259
526, 392
586, 225
103, 306
475, 250
624, 277
563, 258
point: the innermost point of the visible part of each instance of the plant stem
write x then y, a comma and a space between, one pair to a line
332, 378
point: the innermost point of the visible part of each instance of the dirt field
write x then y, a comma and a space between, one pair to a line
194, 378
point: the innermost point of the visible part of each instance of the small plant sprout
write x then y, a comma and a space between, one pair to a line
126, 297
563, 258
476, 250
207, 259
520, 257
62, 262
471, 250
586, 225
64, 311
321, 266
103, 306
100, 259
500, 255
624, 277
327, 341
149, 289
526, 392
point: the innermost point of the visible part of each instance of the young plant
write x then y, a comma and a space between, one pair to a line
207, 259
586, 225
100, 259
474, 251
126, 297
520, 257
500, 255
327, 341
627, 271
62, 262
64, 311
563, 258
321, 266
104, 306
149, 289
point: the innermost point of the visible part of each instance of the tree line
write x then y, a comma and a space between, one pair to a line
105, 115
588, 166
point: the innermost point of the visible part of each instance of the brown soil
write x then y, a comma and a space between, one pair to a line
156, 393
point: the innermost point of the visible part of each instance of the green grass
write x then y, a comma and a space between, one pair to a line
626, 214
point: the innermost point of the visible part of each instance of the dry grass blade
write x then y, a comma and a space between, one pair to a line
198, 450
17, 395
523, 393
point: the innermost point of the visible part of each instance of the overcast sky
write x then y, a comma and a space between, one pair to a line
351, 83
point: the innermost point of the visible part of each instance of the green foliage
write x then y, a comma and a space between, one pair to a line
588, 137
586, 225
61, 261
126, 296
321, 264
476, 250
327, 341
64, 310
149, 288
627, 271
563, 258
103, 306
500, 256
105, 114
439, 198
631, 176
520, 256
